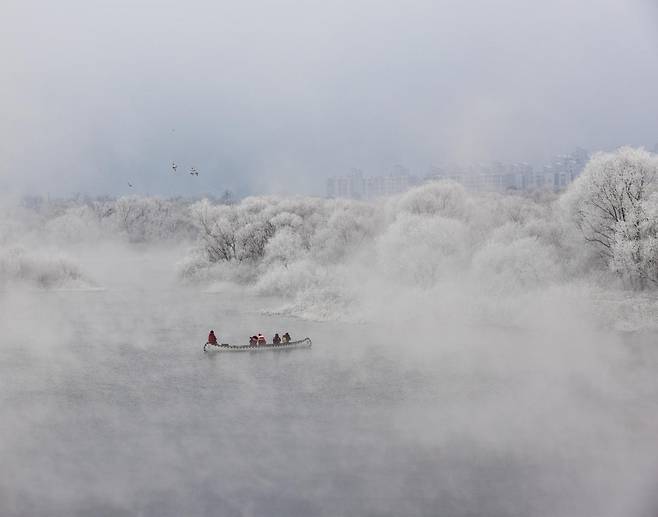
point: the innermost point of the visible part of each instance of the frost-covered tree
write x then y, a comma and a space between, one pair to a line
284, 247
444, 198
78, 223
519, 264
349, 225
613, 203
218, 226
252, 239
418, 250
43, 270
233, 232
635, 246
149, 219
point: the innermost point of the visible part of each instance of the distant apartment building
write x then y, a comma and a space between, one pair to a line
450, 173
494, 176
482, 177
357, 186
499, 176
351, 186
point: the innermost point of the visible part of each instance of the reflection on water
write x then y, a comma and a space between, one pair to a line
110, 407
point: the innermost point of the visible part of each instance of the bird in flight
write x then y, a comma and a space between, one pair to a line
194, 172
174, 166
130, 185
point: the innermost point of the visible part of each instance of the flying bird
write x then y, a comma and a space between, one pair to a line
130, 185
174, 166
194, 172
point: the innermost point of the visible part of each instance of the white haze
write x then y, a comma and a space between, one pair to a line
274, 96
472, 356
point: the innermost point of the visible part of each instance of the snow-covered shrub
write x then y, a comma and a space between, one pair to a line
150, 219
418, 249
288, 280
521, 263
350, 226
195, 268
77, 224
17, 265
444, 198
10, 231
314, 292
284, 247
134, 218
324, 303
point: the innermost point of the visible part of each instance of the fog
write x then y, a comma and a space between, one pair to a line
474, 353
267, 97
471, 356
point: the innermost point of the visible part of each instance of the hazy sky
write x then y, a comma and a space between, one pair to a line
273, 96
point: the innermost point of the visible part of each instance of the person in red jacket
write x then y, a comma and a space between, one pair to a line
211, 338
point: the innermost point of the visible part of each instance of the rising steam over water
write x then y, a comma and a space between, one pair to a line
472, 356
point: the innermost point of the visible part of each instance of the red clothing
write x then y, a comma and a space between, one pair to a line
212, 339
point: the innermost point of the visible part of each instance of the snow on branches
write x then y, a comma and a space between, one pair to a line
614, 204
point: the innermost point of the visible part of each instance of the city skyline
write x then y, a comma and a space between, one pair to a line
555, 175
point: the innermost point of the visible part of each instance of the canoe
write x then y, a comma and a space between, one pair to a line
225, 347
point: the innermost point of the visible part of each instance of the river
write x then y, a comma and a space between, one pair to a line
110, 407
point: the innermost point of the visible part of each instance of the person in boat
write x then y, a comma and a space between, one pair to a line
286, 338
253, 341
212, 339
261, 340
276, 339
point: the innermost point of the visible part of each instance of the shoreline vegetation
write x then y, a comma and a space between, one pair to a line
434, 249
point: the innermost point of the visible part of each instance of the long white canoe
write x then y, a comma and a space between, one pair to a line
225, 347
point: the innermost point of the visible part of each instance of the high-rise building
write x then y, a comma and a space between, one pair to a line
331, 187
482, 177
351, 186
356, 186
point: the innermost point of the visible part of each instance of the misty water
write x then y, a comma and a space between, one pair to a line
456, 201
111, 407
